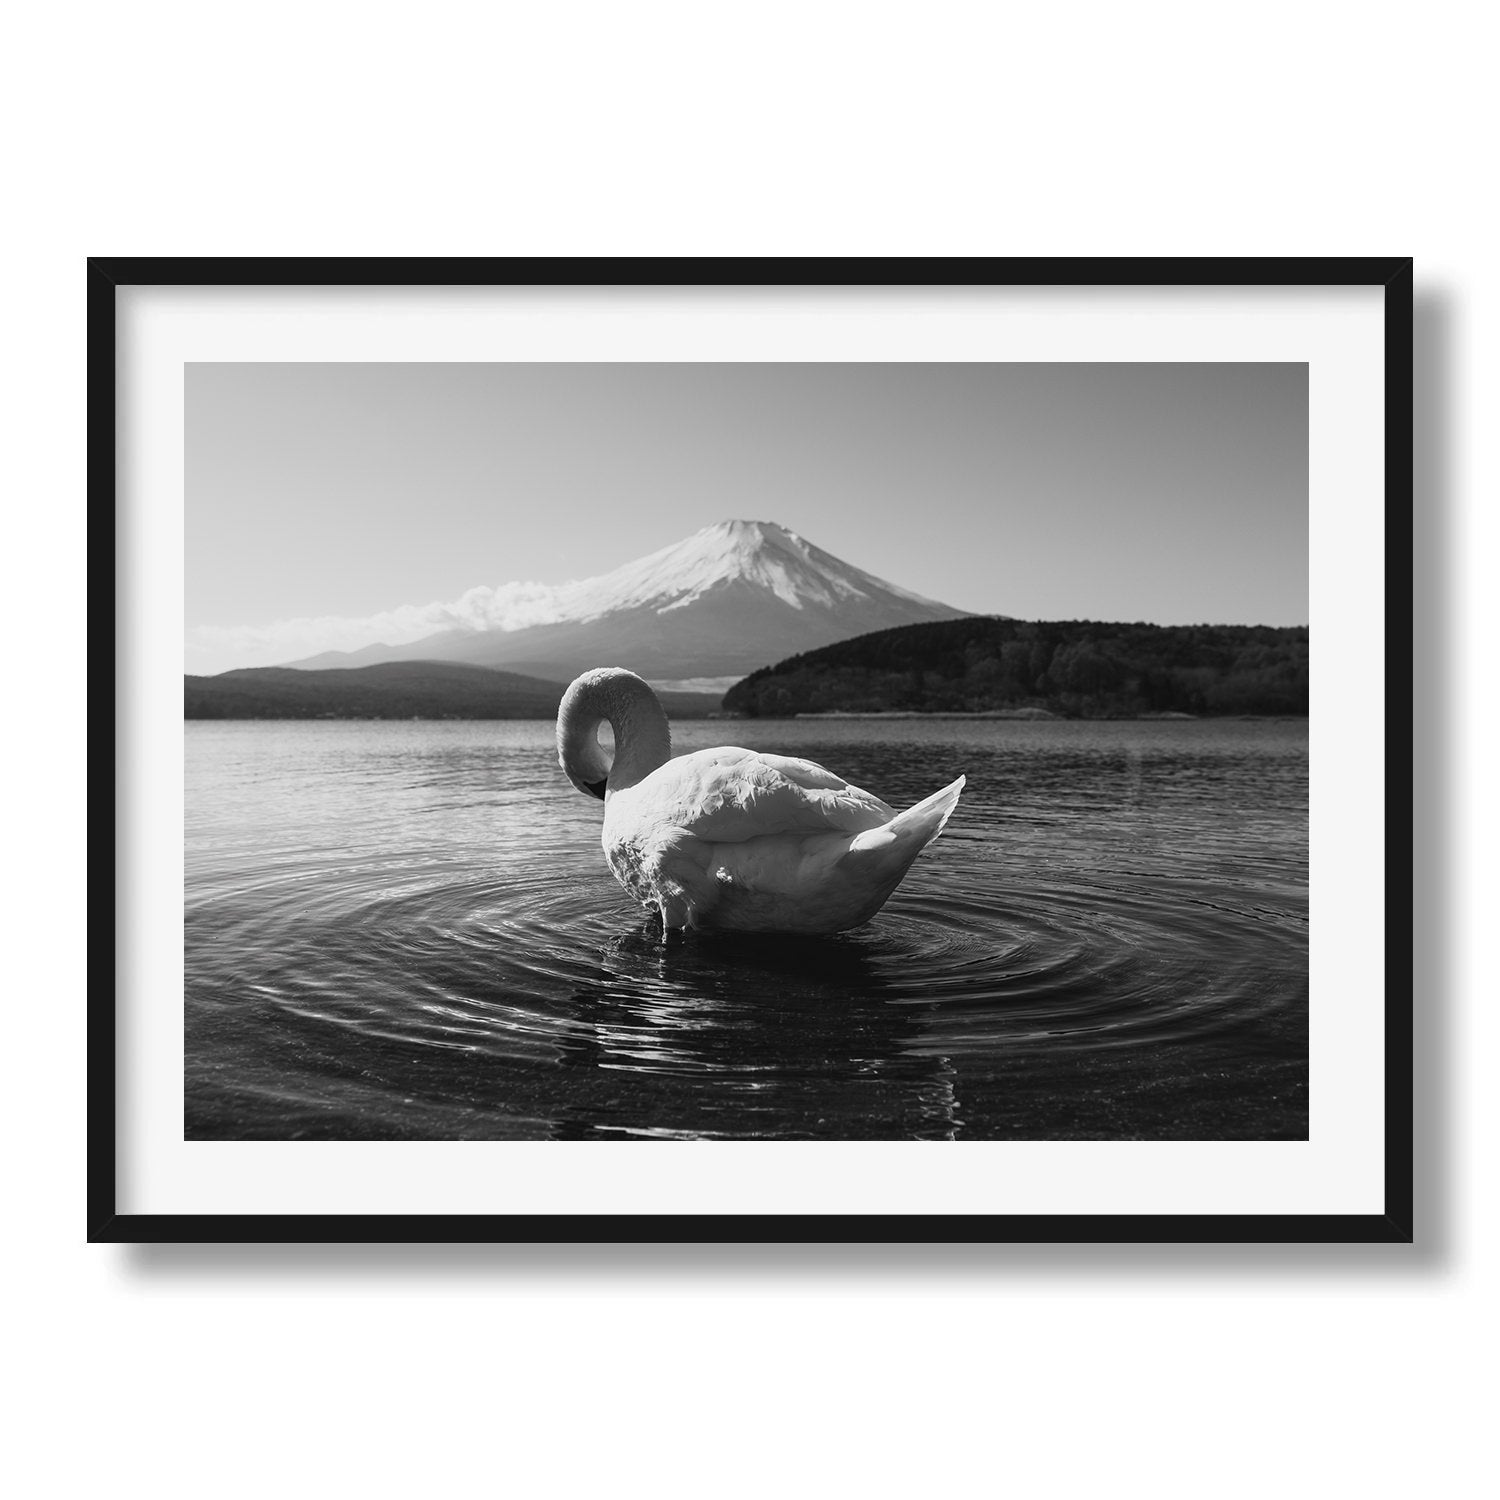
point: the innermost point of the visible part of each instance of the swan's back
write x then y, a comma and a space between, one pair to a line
728, 794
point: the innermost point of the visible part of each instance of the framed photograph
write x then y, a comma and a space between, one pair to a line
936, 730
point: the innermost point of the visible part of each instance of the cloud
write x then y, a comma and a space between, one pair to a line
511, 606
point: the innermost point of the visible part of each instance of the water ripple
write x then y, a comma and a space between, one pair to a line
447, 988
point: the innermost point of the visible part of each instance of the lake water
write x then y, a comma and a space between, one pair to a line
407, 930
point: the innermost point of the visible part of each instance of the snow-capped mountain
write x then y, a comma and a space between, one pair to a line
760, 553
717, 605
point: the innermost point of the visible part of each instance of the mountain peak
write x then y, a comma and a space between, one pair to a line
731, 597
749, 534
763, 554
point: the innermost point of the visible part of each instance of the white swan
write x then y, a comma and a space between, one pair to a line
727, 838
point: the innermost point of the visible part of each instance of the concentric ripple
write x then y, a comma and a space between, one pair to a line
409, 931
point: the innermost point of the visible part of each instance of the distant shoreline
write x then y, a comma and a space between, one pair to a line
1014, 715
1025, 714
954, 713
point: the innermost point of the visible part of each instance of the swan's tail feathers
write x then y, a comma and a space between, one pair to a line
917, 826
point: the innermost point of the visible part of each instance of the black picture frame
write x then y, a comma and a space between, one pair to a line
105, 1223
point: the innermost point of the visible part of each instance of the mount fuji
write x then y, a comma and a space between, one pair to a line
703, 613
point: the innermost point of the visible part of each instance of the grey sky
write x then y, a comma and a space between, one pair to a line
1172, 493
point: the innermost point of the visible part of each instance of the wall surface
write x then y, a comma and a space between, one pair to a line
161, 129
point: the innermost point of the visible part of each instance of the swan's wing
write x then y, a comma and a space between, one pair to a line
728, 795
804, 773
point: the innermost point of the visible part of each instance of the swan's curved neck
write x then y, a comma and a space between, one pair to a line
643, 739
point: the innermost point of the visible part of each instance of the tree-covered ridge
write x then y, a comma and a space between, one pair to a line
1077, 668
390, 690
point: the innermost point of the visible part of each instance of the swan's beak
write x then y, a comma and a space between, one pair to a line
593, 788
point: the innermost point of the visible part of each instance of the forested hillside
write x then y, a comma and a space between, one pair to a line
1076, 668
391, 690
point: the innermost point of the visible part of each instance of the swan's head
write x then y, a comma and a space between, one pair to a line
641, 738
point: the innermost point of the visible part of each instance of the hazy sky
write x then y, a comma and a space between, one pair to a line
1171, 493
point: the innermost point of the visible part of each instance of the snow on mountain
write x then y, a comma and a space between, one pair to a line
720, 603
755, 552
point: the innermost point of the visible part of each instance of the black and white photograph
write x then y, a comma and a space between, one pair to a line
771, 751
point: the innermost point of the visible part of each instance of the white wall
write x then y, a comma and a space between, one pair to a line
1154, 129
